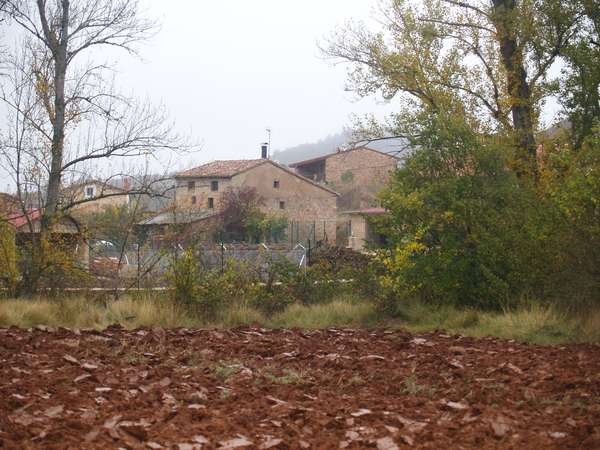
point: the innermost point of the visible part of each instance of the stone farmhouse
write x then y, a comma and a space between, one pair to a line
301, 200
357, 174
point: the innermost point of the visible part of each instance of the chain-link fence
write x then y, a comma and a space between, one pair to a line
216, 256
142, 266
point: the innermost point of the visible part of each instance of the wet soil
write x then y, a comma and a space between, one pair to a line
255, 388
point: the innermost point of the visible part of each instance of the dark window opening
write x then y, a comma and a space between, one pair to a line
89, 192
211, 202
191, 185
193, 199
276, 184
214, 186
281, 205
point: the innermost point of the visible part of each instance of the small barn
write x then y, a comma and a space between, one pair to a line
67, 233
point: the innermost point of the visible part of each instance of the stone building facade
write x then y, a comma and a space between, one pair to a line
283, 191
95, 196
357, 174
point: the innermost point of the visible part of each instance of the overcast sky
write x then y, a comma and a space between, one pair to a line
228, 69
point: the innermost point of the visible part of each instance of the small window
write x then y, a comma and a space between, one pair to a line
194, 199
282, 205
276, 184
214, 186
211, 202
191, 185
89, 192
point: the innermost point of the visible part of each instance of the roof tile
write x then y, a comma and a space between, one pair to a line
221, 169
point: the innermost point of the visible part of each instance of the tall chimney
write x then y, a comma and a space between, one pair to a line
264, 154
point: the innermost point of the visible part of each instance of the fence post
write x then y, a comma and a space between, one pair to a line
138, 264
222, 257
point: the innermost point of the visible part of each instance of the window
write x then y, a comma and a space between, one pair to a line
89, 192
214, 186
211, 202
193, 199
191, 185
276, 184
282, 205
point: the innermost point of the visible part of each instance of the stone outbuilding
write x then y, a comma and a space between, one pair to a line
66, 234
359, 232
358, 175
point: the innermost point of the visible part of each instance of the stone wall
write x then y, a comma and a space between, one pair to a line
358, 175
201, 191
99, 204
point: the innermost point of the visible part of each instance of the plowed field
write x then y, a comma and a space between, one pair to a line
255, 388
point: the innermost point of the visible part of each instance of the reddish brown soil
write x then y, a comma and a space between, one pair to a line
253, 388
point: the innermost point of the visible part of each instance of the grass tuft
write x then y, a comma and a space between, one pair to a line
338, 313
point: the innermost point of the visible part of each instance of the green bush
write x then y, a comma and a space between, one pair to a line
462, 228
268, 287
9, 273
183, 276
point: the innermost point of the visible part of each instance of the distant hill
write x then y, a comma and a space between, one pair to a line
311, 150
330, 144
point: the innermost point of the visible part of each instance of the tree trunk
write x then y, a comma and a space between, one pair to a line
504, 18
58, 44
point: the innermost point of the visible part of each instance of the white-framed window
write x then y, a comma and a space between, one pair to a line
90, 192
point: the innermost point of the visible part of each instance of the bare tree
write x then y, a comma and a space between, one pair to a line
66, 114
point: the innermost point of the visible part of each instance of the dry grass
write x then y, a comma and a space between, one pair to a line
535, 323
83, 313
532, 323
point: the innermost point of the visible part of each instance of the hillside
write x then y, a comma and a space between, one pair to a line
329, 145
311, 150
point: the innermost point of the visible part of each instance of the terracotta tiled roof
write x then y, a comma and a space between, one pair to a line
179, 217
221, 169
324, 157
18, 219
228, 169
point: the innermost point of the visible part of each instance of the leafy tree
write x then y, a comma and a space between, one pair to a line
489, 59
461, 228
241, 218
238, 208
571, 187
114, 224
467, 223
580, 86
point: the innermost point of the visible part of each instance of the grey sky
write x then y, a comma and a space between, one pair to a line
227, 69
